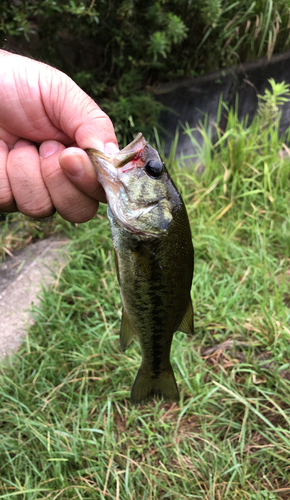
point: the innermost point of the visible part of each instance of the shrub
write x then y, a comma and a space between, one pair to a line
118, 51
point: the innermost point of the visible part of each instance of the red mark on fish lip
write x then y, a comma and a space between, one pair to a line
132, 163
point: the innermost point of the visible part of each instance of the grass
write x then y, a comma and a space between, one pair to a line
67, 428
18, 231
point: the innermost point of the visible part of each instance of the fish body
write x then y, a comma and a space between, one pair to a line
154, 260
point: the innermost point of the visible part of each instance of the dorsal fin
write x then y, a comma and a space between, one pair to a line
187, 322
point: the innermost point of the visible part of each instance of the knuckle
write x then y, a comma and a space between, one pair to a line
38, 207
6, 198
81, 213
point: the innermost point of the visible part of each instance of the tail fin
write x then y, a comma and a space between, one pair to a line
146, 387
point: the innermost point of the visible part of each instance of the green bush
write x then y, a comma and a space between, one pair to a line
118, 51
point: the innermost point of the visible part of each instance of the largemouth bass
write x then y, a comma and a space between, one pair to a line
154, 260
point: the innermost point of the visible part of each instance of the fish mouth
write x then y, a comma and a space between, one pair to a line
108, 165
120, 159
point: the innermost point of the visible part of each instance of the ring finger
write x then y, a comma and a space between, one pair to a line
7, 203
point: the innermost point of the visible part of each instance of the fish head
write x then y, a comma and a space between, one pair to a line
140, 192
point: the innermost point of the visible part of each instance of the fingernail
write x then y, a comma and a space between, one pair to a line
48, 148
73, 165
21, 143
111, 148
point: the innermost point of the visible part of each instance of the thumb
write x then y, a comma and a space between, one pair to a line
40, 103
74, 112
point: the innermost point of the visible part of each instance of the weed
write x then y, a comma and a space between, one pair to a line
67, 428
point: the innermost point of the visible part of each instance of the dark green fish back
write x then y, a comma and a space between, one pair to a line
154, 260
155, 278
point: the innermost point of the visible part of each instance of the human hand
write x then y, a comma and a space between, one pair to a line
41, 106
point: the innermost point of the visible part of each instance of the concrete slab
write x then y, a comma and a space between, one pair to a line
188, 101
21, 277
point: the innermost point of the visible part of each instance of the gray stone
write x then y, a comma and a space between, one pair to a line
21, 278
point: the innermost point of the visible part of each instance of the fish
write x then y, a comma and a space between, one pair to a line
154, 260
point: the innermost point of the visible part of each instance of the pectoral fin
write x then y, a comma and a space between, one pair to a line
187, 324
126, 333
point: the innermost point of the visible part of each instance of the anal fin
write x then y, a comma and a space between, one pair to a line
126, 333
187, 322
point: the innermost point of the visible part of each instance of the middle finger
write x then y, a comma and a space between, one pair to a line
29, 191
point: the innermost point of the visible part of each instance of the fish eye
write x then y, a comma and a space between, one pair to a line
154, 168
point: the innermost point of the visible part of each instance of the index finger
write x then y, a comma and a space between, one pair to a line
71, 203
79, 169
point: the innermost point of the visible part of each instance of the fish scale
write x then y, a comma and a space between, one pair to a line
154, 260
